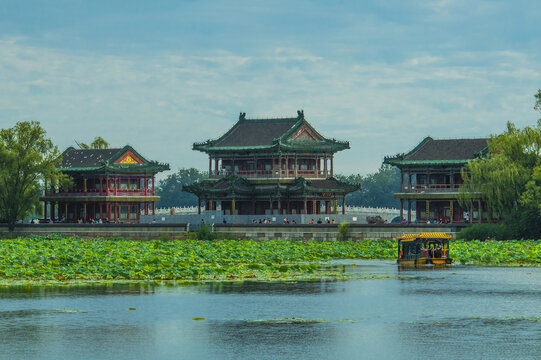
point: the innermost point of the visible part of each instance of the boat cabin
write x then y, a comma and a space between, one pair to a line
424, 248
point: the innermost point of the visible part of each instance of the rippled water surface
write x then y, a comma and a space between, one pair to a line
454, 313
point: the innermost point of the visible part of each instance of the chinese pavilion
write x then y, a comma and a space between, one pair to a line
430, 178
271, 166
108, 184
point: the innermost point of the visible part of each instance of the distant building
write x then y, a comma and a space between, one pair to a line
108, 184
271, 166
430, 179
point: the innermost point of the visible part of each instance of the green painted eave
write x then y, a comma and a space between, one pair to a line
116, 169
398, 162
429, 196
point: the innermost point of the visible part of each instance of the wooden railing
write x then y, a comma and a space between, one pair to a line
262, 174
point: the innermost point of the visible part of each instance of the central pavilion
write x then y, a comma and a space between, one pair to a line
271, 166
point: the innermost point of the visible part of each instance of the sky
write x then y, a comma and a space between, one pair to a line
161, 75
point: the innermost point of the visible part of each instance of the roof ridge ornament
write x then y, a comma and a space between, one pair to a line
300, 114
242, 116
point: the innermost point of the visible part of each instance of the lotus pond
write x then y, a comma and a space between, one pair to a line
58, 258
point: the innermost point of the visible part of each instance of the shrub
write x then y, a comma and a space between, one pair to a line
485, 231
343, 231
524, 223
165, 237
205, 233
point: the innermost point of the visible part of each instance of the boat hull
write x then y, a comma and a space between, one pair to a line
425, 261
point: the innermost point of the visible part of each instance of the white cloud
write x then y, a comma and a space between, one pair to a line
162, 103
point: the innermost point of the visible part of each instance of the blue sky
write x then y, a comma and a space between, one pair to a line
160, 75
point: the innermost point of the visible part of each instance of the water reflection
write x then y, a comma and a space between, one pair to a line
457, 313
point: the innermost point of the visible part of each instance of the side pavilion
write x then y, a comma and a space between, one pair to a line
109, 184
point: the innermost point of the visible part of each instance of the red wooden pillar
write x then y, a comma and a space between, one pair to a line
146, 207
153, 192
153, 203
305, 206
199, 205
146, 187
52, 211
216, 166
271, 209
45, 209
210, 166
101, 185
332, 165
101, 210
325, 165
114, 186
343, 205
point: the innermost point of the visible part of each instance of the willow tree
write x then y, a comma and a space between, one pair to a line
502, 179
27, 161
97, 143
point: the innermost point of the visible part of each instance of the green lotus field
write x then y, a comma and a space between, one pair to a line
59, 258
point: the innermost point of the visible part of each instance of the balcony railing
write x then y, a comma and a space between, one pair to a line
265, 174
81, 193
430, 188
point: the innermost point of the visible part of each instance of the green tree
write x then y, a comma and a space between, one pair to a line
27, 160
98, 143
170, 188
377, 189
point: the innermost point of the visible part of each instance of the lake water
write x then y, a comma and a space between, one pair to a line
455, 313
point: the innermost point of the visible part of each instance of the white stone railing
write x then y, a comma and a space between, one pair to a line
361, 210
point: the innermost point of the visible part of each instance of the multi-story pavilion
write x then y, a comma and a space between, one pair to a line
272, 166
430, 179
108, 184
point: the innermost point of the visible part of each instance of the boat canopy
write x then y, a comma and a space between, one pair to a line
424, 235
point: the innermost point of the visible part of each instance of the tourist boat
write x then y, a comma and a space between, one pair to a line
423, 249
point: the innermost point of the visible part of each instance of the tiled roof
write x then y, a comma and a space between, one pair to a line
451, 149
256, 132
271, 134
86, 157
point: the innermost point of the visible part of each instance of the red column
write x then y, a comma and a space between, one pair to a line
101, 185
325, 166
153, 203
52, 211
153, 192
210, 166
332, 158
45, 209
199, 205
146, 208
114, 186
146, 186
343, 205
101, 210
216, 166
